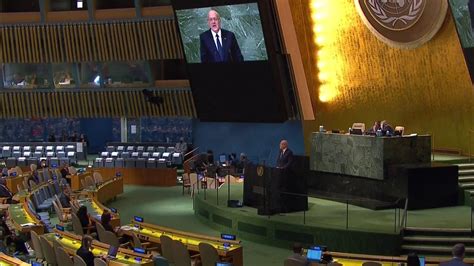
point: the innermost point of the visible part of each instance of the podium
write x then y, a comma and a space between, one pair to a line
273, 190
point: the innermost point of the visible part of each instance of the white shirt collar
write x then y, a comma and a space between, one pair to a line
214, 36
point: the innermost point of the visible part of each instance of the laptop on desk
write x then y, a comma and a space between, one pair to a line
314, 254
112, 253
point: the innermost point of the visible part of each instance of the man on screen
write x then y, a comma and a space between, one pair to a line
217, 44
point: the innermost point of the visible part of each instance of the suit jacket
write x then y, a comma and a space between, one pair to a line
86, 255
285, 160
230, 48
454, 262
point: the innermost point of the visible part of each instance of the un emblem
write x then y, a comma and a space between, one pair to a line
260, 170
403, 23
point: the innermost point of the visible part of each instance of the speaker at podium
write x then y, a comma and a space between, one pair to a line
273, 190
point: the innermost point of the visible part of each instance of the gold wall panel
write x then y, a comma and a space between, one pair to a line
89, 104
96, 41
427, 90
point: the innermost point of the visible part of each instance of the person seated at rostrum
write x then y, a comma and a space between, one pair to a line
374, 128
84, 218
298, 254
386, 128
85, 252
458, 251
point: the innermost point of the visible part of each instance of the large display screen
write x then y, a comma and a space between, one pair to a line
235, 65
463, 13
221, 34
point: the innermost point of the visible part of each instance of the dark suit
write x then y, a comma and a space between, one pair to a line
86, 255
454, 262
230, 48
285, 159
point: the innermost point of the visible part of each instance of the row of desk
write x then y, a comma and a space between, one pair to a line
71, 243
152, 233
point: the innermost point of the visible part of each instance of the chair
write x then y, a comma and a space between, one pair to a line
137, 243
89, 182
181, 254
63, 217
77, 226
78, 261
360, 126
400, 129
48, 250
99, 262
39, 254
62, 257
160, 261
208, 253
186, 182
293, 262
98, 178
111, 239
167, 248
100, 231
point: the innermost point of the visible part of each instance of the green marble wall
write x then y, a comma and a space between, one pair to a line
366, 156
462, 17
243, 20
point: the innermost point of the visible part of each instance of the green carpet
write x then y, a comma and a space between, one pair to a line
167, 207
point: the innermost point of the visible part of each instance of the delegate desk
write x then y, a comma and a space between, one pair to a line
160, 177
152, 233
23, 219
107, 190
78, 178
366, 156
14, 181
71, 243
7, 260
95, 210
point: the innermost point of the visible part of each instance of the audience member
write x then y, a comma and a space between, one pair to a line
387, 129
241, 163
5, 192
65, 197
51, 138
84, 251
83, 216
298, 254
458, 252
4, 171
412, 259
43, 164
181, 146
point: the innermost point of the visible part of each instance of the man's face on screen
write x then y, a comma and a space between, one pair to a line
214, 21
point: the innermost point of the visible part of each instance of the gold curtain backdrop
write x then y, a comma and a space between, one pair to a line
427, 90
92, 104
96, 41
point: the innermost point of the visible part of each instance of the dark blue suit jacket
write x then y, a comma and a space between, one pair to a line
454, 262
285, 160
230, 48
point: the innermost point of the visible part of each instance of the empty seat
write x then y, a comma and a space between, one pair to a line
26, 153
177, 158
170, 149
71, 154
161, 149
99, 162
119, 163
54, 161
135, 154
156, 155
39, 148
26, 148
11, 162
70, 148
104, 154
49, 148
161, 163
145, 154
6, 151
131, 148
150, 149
16, 154
110, 148
50, 154
120, 148
125, 155
129, 163
109, 162
61, 154
22, 162
59, 148
16, 148
114, 154
140, 163
151, 163
166, 156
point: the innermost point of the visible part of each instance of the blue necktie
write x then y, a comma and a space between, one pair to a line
219, 47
